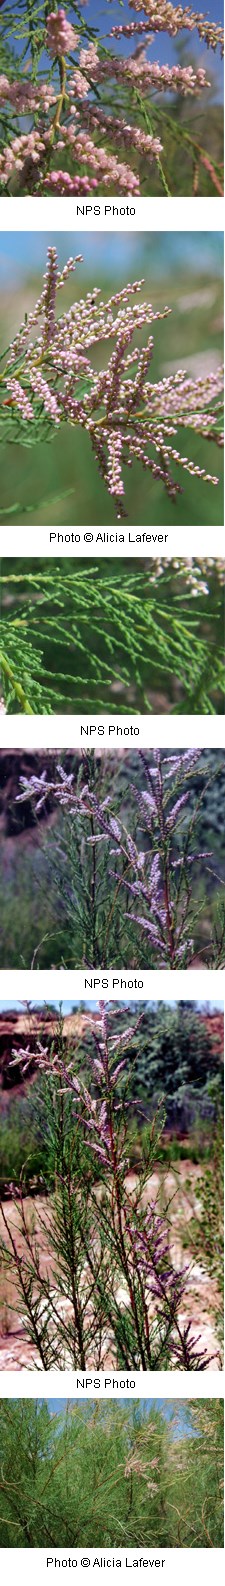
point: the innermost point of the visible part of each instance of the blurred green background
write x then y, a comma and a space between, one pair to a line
58, 481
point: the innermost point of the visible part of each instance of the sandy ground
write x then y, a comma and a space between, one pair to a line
180, 1189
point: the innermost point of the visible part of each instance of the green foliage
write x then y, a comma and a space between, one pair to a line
27, 905
111, 1474
190, 137
23, 1146
110, 633
30, 1139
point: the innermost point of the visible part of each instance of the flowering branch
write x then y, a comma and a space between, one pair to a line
154, 882
115, 1290
51, 380
71, 146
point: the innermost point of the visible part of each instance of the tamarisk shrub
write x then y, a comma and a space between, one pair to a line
109, 1288
141, 882
111, 1473
51, 380
173, 1052
86, 105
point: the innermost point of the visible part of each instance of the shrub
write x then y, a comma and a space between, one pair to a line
109, 1284
124, 887
111, 1474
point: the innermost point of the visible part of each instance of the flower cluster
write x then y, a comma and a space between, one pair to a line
73, 107
60, 36
127, 417
197, 574
144, 73
164, 17
24, 97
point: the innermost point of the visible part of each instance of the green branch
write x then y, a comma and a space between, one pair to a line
18, 690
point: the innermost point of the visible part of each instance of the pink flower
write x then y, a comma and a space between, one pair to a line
60, 36
79, 84
42, 390
20, 399
89, 61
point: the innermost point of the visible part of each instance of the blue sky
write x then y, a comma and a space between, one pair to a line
23, 253
163, 49
66, 1006
168, 1408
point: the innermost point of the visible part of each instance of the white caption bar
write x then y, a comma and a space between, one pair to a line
155, 214
85, 541
70, 985
111, 732
166, 1564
